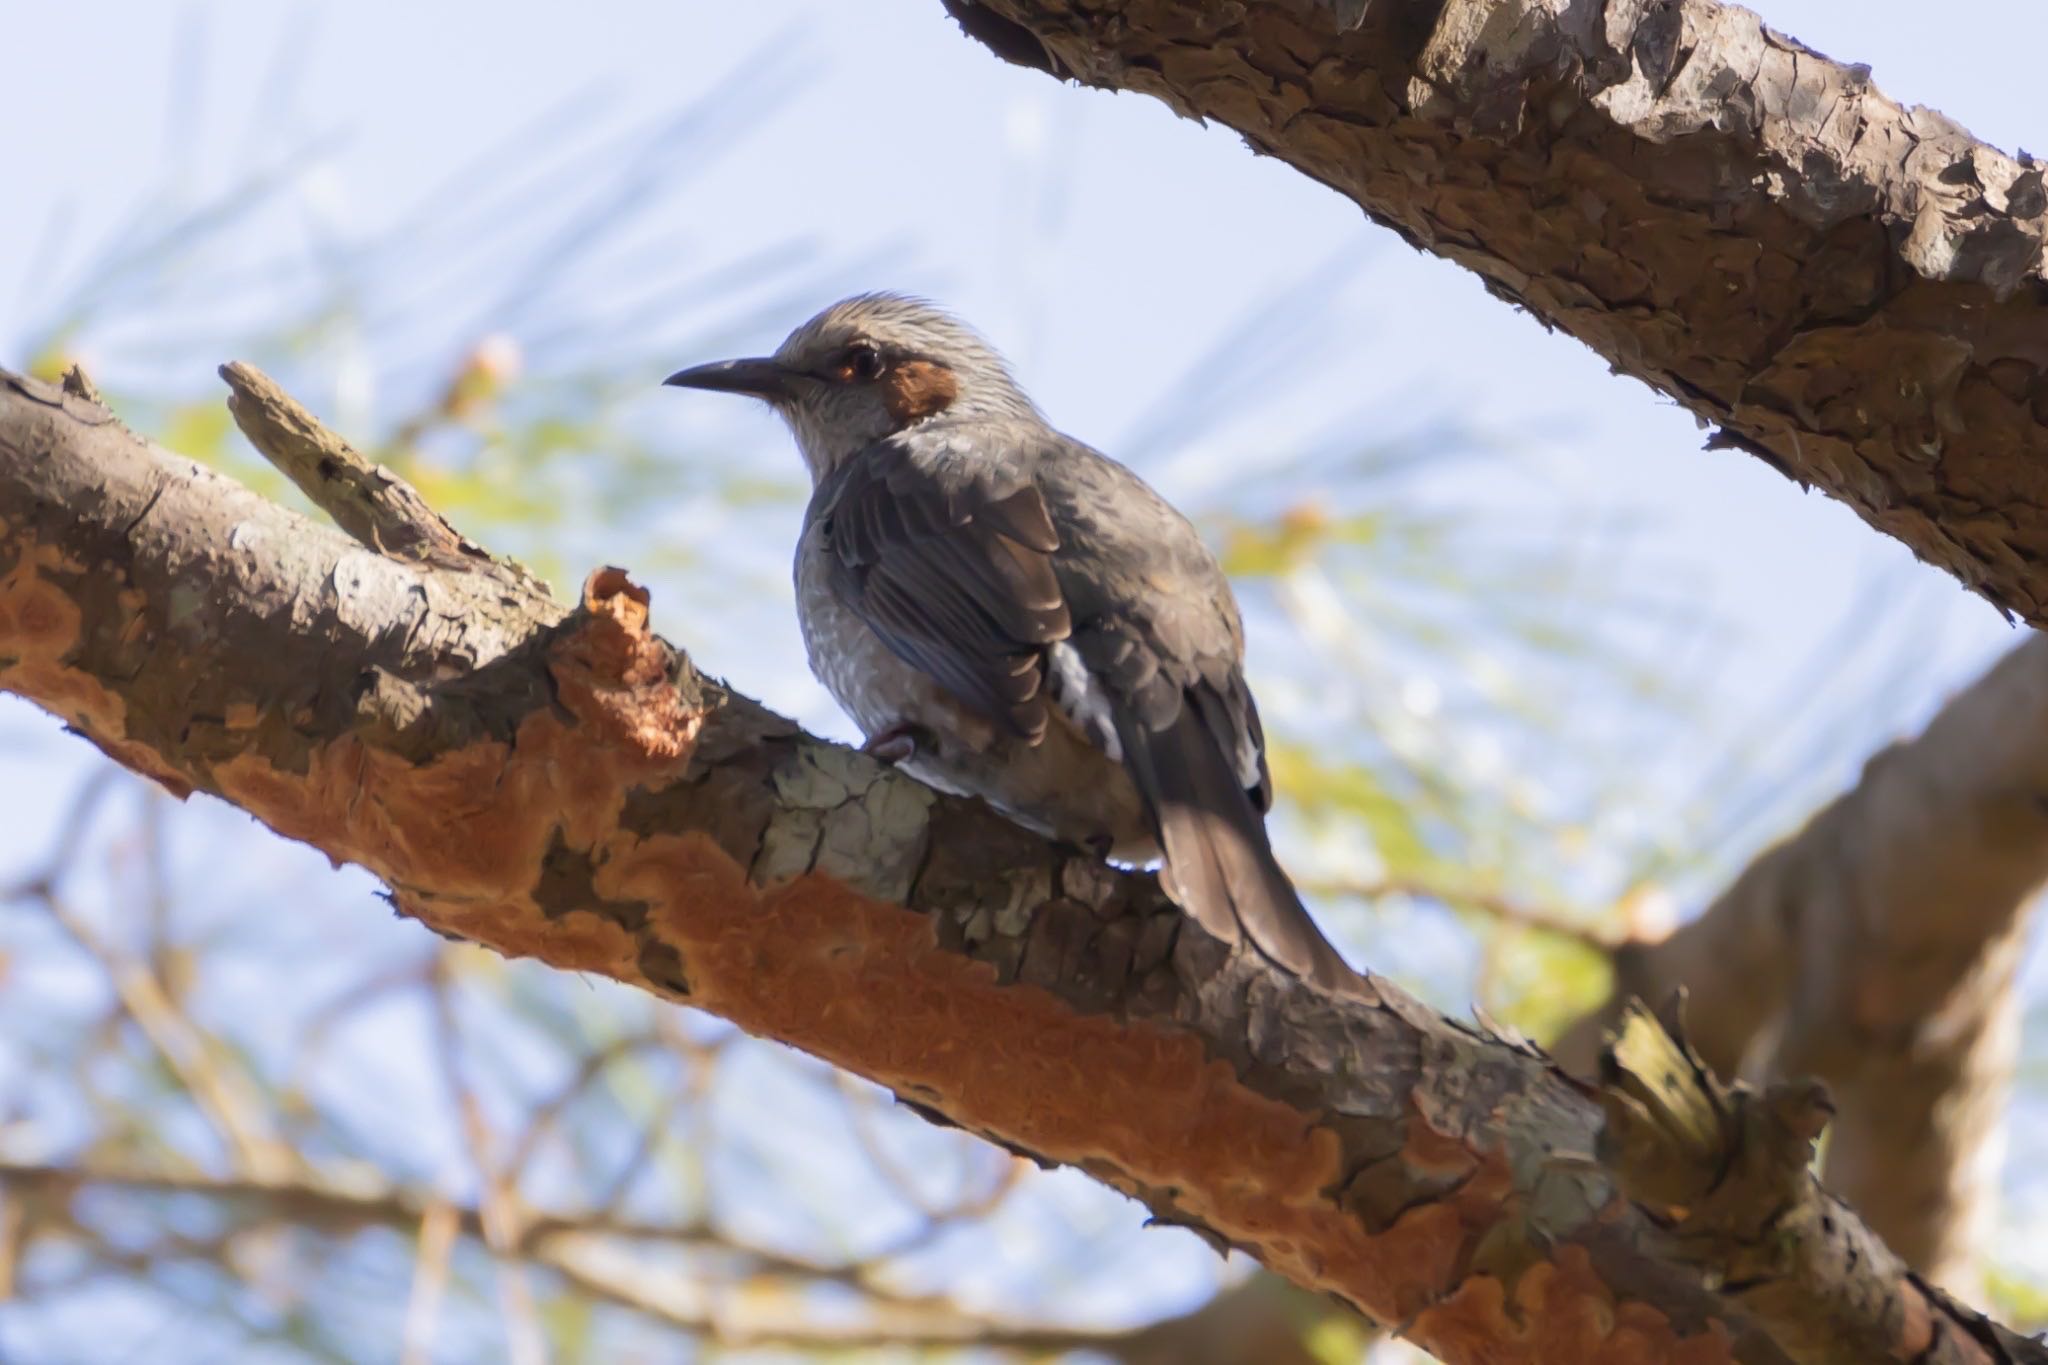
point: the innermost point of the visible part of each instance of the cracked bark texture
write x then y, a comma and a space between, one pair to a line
1850, 289
1878, 949
560, 784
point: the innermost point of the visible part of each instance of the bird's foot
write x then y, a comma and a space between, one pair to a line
899, 743
1097, 846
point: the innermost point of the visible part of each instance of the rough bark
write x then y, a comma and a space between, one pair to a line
1878, 949
1849, 289
560, 784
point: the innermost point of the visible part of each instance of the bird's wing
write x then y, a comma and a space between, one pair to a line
1155, 620
1189, 736
1157, 630
951, 566
1116, 614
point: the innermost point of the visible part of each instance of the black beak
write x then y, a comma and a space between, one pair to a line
760, 377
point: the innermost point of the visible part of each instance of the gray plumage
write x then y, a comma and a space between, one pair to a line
1009, 614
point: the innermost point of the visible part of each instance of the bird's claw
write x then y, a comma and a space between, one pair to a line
898, 744
1095, 847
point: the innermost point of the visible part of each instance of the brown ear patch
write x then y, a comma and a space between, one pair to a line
916, 389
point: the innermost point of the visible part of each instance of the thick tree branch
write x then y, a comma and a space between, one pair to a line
1847, 288
1878, 949
562, 785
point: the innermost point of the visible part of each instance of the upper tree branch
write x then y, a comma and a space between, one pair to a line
1849, 289
562, 785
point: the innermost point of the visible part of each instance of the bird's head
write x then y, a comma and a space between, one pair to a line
868, 367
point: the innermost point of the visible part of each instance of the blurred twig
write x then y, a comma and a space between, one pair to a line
438, 1226
591, 1250
499, 1212
230, 1101
861, 1101
1504, 910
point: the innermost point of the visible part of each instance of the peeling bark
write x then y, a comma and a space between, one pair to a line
1878, 949
562, 785
1849, 289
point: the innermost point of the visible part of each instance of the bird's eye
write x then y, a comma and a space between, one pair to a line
860, 361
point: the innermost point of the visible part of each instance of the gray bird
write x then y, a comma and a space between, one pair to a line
1009, 614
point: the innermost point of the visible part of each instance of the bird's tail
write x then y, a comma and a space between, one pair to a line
1220, 866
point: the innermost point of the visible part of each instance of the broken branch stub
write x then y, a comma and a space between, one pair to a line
1725, 1170
377, 508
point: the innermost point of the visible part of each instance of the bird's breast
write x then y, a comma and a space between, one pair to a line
1066, 785
867, 678
863, 676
